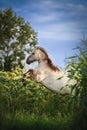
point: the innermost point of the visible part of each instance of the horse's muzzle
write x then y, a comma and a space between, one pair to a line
28, 61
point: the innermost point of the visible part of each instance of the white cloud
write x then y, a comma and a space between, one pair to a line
77, 7
57, 20
59, 31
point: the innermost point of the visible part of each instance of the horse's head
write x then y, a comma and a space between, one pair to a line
38, 54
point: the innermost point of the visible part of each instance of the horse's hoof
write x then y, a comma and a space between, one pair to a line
24, 82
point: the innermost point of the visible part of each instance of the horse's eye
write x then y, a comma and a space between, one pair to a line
33, 53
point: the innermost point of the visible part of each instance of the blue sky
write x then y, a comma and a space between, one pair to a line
60, 24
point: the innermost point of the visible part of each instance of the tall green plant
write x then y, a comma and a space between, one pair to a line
79, 73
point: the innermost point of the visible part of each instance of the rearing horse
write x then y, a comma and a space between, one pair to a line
47, 73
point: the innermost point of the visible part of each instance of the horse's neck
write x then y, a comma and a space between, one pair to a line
42, 65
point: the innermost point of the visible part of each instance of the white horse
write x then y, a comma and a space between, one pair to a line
47, 73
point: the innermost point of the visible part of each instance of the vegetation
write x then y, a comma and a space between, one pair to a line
79, 72
16, 38
36, 108
31, 106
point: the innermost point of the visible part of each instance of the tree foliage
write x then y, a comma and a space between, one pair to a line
16, 38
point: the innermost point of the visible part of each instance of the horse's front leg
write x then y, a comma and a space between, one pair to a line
38, 76
33, 74
25, 75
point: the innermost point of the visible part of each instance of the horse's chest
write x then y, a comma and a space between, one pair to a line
43, 69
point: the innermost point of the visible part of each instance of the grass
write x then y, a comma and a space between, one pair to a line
33, 123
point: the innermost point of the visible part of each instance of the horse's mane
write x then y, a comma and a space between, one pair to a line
49, 61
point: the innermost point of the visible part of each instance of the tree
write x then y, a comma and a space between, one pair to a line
16, 39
